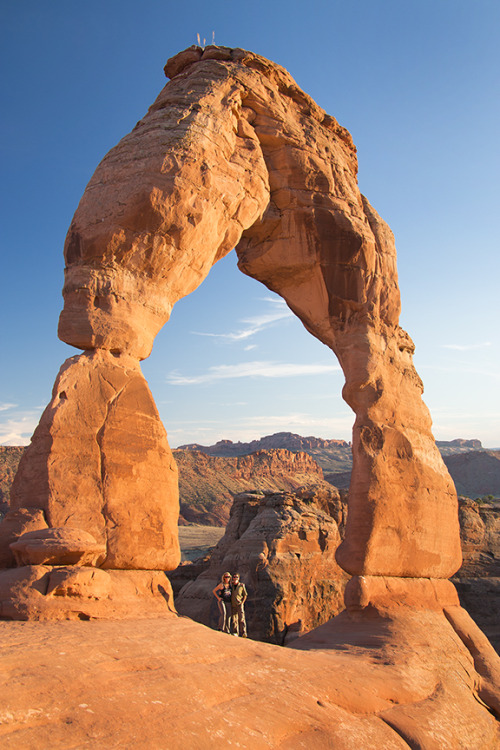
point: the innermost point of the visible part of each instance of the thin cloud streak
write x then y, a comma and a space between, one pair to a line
467, 347
250, 370
255, 324
6, 407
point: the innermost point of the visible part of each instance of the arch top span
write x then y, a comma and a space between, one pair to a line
233, 154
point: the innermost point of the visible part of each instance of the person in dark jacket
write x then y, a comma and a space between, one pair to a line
222, 593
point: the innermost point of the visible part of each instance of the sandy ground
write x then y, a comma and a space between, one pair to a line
196, 540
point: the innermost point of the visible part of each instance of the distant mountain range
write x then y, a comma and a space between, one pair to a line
210, 475
331, 455
475, 471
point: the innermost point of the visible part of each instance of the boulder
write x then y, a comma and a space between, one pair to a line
58, 546
45, 592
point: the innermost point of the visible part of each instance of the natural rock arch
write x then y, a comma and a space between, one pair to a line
233, 154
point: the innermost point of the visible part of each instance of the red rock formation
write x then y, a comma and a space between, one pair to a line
276, 176
207, 484
283, 545
478, 580
111, 472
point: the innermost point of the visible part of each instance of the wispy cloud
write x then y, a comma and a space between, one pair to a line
467, 347
17, 430
6, 407
461, 368
255, 324
251, 370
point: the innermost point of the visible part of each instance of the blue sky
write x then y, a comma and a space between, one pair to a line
415, 82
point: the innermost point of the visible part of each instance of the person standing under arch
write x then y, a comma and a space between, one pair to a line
222, 593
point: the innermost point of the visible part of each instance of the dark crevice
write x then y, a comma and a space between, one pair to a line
402, 734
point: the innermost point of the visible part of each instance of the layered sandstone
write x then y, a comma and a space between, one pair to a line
478, 580
207, 484
111, 471
283, 545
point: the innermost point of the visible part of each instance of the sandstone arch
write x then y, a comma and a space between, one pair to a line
233, 153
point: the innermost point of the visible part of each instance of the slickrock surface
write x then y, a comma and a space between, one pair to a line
173, 683
283, 546
207, 484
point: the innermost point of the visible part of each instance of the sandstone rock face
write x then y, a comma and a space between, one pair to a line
478, 580
283, 546
233, 153
99, 461
69, 592
15, 524
10, 455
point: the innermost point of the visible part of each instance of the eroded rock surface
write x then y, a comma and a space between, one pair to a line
393, 680
99, 461
283, 545
234, 153
478, 580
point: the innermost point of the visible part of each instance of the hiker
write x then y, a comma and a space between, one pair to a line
222, 593
238, 599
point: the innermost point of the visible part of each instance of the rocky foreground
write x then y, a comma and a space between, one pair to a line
362, 681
